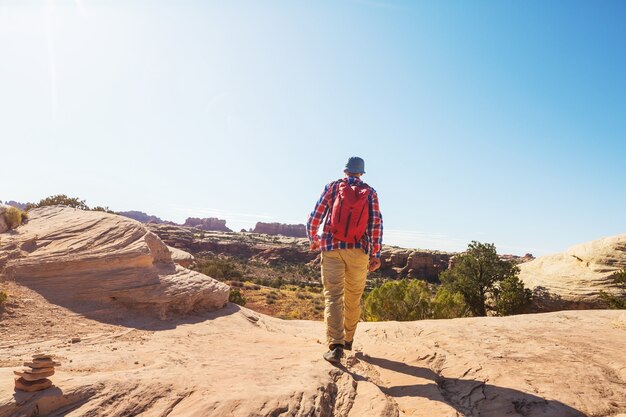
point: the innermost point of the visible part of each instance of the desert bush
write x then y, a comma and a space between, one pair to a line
237, 284
219, 269
14, 217
3, 297
616, 301
511, 297
402, 300
448, 305
481, 277
60, 199
270, 300
104, 209
237, 297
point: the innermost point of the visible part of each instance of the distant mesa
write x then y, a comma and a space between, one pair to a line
576, 278
142, 217
291, 230
20, 206
210, 224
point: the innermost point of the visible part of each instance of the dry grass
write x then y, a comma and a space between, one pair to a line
289, 302
14, 217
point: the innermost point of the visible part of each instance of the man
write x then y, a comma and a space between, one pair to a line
350, 244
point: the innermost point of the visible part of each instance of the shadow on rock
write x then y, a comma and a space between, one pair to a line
470, 397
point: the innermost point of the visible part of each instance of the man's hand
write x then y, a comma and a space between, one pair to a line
374, 264
315, 245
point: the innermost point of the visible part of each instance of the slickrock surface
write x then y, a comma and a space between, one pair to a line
235, 362
95, 261
574, 278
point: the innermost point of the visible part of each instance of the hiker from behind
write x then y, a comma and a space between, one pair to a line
350, 244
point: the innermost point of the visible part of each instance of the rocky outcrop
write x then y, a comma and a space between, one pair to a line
140, 216
565, 364
291, 230
411, 263
180, 257
107, 261
241, 245
576, 277
208, 224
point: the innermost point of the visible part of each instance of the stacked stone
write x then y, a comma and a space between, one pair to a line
34, 377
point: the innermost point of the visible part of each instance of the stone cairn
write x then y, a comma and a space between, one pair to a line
34, 377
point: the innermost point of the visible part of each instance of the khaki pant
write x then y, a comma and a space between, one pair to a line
343, 275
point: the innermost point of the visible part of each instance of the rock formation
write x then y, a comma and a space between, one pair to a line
180, 257
21, 206
107, 261
237, 363
140, 216
34, 377
208, 224
575, 278
291, 230
427, 265
263, 248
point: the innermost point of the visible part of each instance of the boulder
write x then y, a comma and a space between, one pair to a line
576, 277
106, 260
180, 257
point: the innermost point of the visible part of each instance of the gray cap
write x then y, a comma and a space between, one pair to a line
355, 165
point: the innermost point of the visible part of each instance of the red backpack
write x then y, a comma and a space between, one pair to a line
350, 214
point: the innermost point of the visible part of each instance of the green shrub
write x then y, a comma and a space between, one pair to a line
481, 277
60, 199
219, 269
616, 301
511, 297
448, 305
14, 217
402, 300
237, 297
104, 209
3, 296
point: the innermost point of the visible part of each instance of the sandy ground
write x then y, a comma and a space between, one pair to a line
236, 362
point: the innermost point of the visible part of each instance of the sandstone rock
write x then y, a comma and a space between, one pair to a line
413, 263
107, 260
32, 386
292, 230
31, 376
42, 357
180, 257
565, 364
37, 366
209, 224
575, 278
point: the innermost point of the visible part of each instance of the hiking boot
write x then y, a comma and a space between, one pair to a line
347, 345
335, 354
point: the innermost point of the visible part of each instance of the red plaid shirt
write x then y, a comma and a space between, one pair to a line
373, 237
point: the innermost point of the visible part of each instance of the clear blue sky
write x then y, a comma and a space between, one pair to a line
497, 121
